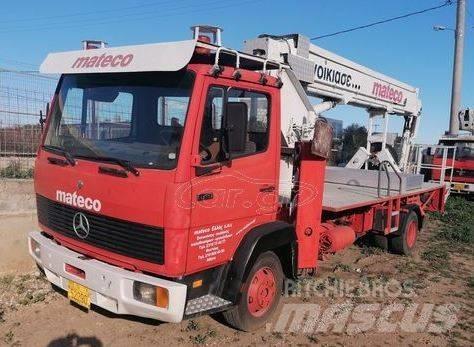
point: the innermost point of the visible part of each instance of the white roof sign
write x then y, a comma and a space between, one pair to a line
169, 56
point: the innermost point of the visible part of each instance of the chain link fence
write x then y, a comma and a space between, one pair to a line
24, 97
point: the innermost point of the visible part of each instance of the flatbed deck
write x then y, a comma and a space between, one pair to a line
341, 197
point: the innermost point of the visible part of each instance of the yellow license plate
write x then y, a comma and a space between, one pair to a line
458, 186
79, 294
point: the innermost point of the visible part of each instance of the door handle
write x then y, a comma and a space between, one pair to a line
205, 196
267, 189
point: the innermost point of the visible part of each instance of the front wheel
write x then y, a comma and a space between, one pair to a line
260, 294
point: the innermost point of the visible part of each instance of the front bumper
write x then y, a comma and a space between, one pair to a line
111, 287
460, 187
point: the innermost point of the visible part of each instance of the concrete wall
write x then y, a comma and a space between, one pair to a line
23, 162
17, 219
16, 196
14, 231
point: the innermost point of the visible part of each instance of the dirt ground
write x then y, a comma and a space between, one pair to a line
13, 245
439, 274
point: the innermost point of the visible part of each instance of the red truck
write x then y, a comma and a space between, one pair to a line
185, 178
462, 181
460, 156
452, 159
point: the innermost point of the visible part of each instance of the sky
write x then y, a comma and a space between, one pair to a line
408, 50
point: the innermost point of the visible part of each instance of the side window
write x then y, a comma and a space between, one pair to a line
257, 125
212, 127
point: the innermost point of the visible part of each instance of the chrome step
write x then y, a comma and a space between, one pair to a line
205, 303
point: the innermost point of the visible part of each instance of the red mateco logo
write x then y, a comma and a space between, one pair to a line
103, 60
73, 199
386, 92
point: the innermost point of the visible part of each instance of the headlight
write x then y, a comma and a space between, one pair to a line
150, 294
35, 248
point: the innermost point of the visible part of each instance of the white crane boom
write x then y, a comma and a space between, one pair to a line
338, 80
329, 76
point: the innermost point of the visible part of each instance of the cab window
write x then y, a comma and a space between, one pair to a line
257, 115
212, 130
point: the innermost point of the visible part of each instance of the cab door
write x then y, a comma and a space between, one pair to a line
232, 196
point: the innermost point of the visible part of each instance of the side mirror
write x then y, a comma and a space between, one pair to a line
236, 126
42, 118
322, 140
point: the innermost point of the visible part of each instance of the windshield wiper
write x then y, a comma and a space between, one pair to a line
68, 156
123, 163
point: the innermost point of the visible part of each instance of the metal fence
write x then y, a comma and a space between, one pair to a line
24, 96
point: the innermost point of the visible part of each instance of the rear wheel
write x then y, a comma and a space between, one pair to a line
380, 241
260, 295
405, 240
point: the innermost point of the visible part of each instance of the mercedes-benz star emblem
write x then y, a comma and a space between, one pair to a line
80, 223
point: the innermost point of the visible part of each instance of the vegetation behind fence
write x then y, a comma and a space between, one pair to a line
24, 96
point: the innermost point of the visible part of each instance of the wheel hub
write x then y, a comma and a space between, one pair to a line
261, 292
412, 231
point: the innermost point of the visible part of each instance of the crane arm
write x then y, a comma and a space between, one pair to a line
327, 75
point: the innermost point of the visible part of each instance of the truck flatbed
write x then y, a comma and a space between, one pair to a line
339, 197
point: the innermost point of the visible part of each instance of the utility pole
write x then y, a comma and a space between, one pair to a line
457, 67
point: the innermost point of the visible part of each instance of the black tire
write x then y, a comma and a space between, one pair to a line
373, 240
40, 270
402, 242
240, 316
380, 241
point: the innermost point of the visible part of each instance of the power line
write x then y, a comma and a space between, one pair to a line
79, 14
104, 15
16, 62
206, 7
383, 21
212, 5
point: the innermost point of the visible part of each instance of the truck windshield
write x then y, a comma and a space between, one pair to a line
464, 150
134, 117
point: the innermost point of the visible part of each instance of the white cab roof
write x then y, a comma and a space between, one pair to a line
169, 56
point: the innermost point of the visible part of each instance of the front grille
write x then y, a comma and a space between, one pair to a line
130, 239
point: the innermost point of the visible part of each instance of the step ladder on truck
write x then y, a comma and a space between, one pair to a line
185, 178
